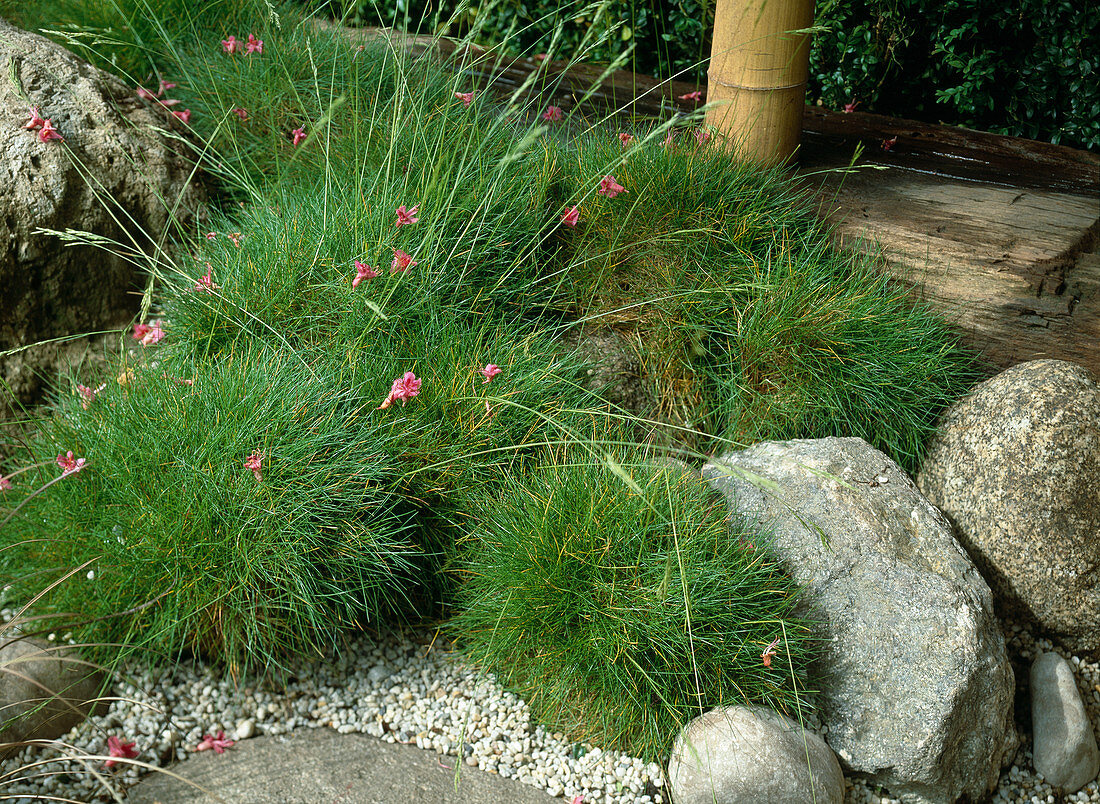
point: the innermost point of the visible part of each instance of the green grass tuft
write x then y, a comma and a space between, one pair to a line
620, 613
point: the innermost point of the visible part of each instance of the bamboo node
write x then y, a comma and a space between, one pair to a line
722, 83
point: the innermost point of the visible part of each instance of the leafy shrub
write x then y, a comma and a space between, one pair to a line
620, 606
1026, 69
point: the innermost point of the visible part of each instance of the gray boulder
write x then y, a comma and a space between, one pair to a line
748, 755
112, 166
916, 688
45, 690
1064, 744
1015, 466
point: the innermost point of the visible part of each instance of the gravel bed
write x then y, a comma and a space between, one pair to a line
411, 688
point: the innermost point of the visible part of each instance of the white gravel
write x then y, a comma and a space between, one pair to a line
410, 689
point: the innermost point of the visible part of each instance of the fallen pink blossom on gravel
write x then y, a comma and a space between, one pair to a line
117, 748
218, 743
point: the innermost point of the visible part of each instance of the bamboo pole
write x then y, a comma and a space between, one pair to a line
757, 76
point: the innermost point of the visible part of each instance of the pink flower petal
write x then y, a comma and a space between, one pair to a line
490, 371
255, 463
609, 187
553, 114
117, 748
70, 465
572, 217
48, 132
36, 122
406, 216
402, 262
465, 97
404, 388
363, 271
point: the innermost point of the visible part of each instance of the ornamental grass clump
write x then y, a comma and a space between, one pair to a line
617, 601
750, 322
243, 510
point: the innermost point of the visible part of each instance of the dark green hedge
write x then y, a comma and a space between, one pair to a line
1028, 68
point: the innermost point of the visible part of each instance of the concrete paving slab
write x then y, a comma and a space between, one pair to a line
321, 766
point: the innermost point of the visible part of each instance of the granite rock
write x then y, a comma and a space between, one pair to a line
747, 755
916, 688
1015, 465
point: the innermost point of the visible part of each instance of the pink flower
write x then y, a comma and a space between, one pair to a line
362, 272
48, 132
490, 371
404, 388
850, 107
887, 145
154, 333
219, 743
231, 45
610, 187
206, 283
667, 141
36, 122
697, 95
553, 114
70, 465
401, 262
87, 395
407, 216
184, 116
166, 102
140, 331
5, 484
211, 235
235, 237
298, 135
577, 800
466, 98
241, 113
145, 94
626, 139
254, 45
253, 462
117, 748
769, 652
572, 217
702, 136
164, 87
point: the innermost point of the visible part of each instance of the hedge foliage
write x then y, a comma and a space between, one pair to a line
1026, 68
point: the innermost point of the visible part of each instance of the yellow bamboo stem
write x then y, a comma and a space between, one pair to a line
758, 71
